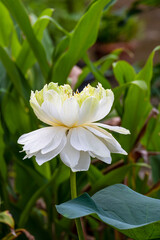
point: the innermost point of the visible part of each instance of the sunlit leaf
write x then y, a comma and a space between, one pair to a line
5, 217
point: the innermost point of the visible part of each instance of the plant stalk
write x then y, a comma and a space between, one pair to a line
74, 195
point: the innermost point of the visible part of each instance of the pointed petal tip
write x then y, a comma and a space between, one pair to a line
125, 153
122, 130
127, 131
39, 162
122, 151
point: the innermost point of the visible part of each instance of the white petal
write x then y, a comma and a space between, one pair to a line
52, 105
28, 155
114, 146
104, 159
83, 163
88, 110
97, 131
111, 143
38, 139
60, 133
104, 107
113, 128
41, 115
69, 112
84, 140
69, 155
42, 158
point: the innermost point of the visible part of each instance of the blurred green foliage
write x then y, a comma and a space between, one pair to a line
29, 59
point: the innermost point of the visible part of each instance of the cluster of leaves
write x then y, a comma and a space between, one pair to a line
28, 61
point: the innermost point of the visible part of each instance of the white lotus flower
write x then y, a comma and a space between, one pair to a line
73, 132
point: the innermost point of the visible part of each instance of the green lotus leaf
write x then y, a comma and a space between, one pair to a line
133, 214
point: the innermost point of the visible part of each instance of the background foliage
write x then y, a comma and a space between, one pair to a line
39, 44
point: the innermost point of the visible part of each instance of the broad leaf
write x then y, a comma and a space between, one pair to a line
133, 214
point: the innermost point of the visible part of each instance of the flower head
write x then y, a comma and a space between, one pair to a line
73, 132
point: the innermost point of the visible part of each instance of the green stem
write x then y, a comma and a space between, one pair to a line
74, 195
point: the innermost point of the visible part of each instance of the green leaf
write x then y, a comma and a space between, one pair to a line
109, 59
114, 176
60, 48
151, 140
26, 58
131, 213
8, 36
16, 77
119, 90
82, 37
6, 26
30, 171
123, 72
137, 105
44, 170
19, 122
94, 174
63, 175
3, 168
18, 11
5, 217
104, 64
97, 74
136, 110
147, 71
26, 212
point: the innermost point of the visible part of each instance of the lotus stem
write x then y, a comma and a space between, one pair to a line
74, 195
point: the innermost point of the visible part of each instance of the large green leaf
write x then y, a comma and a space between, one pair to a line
18, 11
137, 105
82, 37
26, 58
133, 214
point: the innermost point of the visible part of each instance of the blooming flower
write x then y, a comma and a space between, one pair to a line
73, 132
